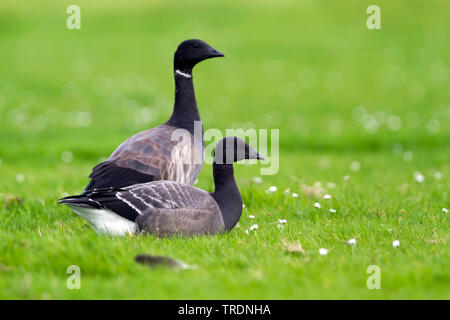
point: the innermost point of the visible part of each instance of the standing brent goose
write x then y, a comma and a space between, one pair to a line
167, 208
159, 153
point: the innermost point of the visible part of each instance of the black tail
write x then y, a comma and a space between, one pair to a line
101, 199
80, 200
108, 174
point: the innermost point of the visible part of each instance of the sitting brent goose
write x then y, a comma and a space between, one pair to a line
154, 154
167, 208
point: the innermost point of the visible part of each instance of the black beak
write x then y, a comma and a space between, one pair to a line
214, 53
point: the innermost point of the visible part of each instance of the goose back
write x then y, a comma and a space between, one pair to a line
149, 156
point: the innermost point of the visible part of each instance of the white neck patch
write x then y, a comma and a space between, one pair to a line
186, 75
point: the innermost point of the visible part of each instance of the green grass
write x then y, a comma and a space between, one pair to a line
303, 67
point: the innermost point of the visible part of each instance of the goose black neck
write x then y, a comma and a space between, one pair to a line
185, 110
227, 195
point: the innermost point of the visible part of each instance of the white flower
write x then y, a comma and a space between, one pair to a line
327, 196
282, 221
396, 243
438, 175
390, 229
20, 177
251, 216
67, 157
253, 227
331, 185
355, 166
257, 179
346, 178
246, 231
351, 242
317, 205
332, 210
444, 210
287, 191
280, 226
419, 177
273, 189
323, 251
408, 156
243, 206
295, 195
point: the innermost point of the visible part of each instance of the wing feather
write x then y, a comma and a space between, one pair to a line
183, 221
150, 155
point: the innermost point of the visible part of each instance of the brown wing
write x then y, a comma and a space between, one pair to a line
183, 221
148, 156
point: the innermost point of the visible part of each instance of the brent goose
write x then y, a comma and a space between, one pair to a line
167, 208
154, 154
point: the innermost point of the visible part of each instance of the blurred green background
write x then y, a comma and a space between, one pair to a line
339, 93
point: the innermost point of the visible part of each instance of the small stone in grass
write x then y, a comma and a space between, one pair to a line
396, 243
156, 261
293, 246
323, 251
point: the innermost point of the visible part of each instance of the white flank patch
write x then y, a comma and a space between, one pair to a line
105, 221
186, 75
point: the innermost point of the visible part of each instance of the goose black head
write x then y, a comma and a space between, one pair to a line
191, 52
233, 149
